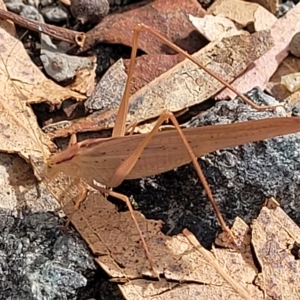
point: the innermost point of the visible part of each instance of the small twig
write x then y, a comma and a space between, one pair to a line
60, 33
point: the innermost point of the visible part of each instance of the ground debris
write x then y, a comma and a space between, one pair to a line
180, 87
274, 236
244, 13
216, 27
168, 17
113, 239
265, 66
39, 261
49, 264
289, 66
18, 72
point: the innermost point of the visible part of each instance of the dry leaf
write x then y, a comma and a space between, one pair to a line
16, 66
20, 132
23, 83
280, 270
274, 235
113, 238
20, 85
149, 67
215, 27
188, 270
264, 67
18, 187
182, 86
243, 13
110, 87
167, 17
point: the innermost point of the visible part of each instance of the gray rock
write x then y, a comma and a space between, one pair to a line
55, 13
38, 260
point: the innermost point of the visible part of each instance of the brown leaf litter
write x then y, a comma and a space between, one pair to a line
182, 86
187, 268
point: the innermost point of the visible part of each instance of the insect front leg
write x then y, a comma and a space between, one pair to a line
82, 196
126, 200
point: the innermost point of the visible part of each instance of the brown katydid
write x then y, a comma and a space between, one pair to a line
109, 161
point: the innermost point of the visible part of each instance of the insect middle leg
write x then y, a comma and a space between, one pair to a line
123, 109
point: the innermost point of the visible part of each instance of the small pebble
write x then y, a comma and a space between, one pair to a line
46, 2
54, 14
295, 45
89, 11
283, 8
15, 6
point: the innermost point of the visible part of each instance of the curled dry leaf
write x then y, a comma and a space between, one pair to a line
243, 13
264, 67
183, 85
168, 17
19, 132
22, 83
